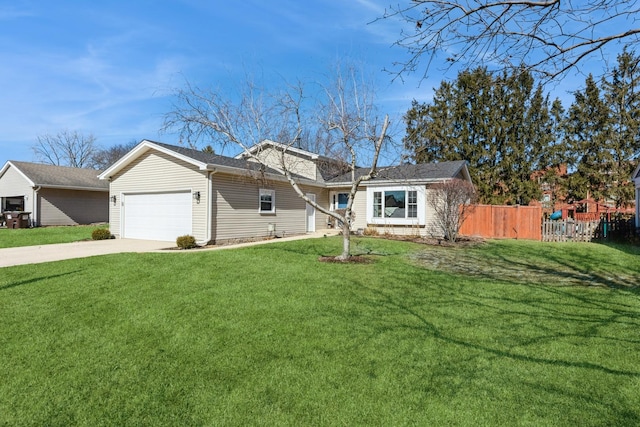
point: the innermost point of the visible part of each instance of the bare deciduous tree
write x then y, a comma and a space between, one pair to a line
549, 37
451, 202
103, 158
346, 117
66, 148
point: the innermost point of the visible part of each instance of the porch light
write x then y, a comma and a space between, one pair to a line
114, 199
196, 196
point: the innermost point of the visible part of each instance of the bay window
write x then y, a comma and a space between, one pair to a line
396, 205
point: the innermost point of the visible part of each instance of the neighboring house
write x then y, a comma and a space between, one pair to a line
160, 191
54, 195
635, 178
551, 195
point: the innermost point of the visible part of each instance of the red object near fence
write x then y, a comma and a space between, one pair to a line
587, 216
503, 222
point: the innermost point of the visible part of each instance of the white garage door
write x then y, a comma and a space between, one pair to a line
157, 216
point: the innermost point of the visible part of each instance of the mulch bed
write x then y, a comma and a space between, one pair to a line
462, 242
356, 259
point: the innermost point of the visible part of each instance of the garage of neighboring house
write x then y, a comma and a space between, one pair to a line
54, 195
157, 216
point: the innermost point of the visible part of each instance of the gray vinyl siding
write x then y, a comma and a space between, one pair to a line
155, 172
12, 183
72, 207
322, 197
236, 214
430, 219
359, 207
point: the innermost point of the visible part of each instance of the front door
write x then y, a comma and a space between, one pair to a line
311, 214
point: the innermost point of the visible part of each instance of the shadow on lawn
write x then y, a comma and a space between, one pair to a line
546, 310
532, 266
35, 279
506, 340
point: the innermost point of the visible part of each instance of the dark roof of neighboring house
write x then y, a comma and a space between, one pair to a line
61, 176
422, 171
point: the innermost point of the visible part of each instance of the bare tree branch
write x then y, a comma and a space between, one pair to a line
548, 38
345, 120
66, 148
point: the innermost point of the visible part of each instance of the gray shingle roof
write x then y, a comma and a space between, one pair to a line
216, 159
61, 176
422, 171
208, 158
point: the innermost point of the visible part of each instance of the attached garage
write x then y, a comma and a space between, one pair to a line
157, 216
160, 192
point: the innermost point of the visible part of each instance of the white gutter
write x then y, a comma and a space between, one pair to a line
387, 182
66, 187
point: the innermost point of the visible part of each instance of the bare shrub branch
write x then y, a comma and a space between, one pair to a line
451, 202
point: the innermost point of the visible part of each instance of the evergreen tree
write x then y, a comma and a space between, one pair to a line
588, 134
622, 96
500, 125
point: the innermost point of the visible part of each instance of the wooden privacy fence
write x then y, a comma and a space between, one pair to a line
503, 222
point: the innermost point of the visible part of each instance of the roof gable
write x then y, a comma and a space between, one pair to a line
50, 176
200, 159
282, 147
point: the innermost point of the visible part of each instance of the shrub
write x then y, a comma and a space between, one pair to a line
370, 231
101, 234
186, 242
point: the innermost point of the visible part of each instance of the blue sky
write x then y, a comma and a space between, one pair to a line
108, 68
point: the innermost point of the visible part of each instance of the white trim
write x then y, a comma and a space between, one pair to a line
310, 213
208, 229
388, 182
66, 187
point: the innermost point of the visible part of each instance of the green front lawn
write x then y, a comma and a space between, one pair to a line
507, 333
11, 238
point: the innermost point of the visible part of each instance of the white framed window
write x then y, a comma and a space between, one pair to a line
267, 202
339, 200
396, 205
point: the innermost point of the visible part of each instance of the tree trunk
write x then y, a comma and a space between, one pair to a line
346, 243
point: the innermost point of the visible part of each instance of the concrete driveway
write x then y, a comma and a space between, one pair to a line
60, 251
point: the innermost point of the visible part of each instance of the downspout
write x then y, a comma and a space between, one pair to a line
35, 222
209, 229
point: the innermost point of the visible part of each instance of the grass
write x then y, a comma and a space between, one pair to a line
267, 335
11, 238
